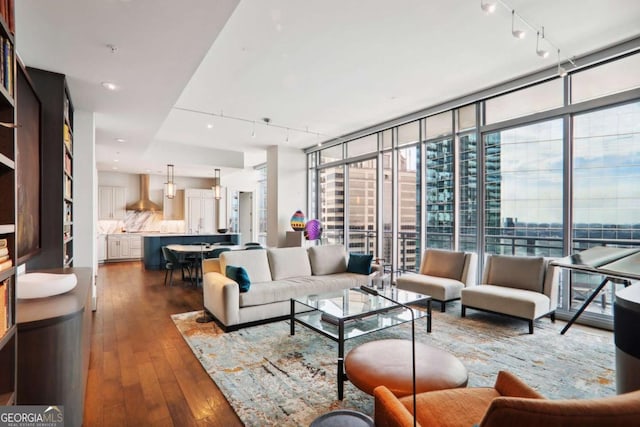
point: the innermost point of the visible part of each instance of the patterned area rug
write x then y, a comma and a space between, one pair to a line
272, 378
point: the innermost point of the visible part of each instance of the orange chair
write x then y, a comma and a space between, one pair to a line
509, 403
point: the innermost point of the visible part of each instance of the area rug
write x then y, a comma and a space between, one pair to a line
272, 378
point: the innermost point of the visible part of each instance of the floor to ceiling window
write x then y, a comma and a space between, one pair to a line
331, 209
440, 193
362, 209
408, 196
468, 193
409, 211
386, 210
523, 190
606, 193
547, 168
439, 181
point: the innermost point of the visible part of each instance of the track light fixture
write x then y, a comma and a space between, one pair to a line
561, 70
265, 121
519, 34
541, 52
488, 7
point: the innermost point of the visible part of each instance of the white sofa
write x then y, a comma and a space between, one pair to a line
276, 276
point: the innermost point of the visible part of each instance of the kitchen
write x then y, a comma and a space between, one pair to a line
132, 208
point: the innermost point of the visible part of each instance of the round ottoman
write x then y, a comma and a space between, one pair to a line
388, 363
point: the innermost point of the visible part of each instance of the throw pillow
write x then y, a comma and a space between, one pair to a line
240, 275
360, 263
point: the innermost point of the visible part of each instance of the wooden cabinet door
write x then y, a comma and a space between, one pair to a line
102, 247
105, 202
113, 248
111, 202
135, 247
125, 247
208, 215
118, 203
193, 214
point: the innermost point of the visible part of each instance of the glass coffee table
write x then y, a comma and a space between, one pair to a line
350, 313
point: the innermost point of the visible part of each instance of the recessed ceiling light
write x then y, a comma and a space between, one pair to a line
147, 170
120, 140
109, 85
209, 126
116, 160
115, 168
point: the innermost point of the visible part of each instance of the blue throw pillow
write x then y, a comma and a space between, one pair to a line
240, 275
360, 263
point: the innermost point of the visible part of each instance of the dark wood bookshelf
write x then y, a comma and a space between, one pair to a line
57, 172
8, 216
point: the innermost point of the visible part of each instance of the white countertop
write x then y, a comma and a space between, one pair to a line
157, 234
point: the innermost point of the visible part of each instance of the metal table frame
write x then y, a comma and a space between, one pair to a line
417, 303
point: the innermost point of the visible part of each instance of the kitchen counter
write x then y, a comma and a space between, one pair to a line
160, 234
153, 243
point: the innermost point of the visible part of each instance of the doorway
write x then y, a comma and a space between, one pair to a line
245, 216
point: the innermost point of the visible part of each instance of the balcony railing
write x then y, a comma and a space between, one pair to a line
409, 254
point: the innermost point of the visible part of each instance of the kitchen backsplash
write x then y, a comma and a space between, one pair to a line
136, 222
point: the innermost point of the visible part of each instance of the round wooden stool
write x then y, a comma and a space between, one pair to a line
388, 363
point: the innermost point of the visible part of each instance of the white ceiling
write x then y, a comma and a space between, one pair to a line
331, 67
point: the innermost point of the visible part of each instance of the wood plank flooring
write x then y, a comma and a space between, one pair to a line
141, 372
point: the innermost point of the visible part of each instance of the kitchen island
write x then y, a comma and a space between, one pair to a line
153, 243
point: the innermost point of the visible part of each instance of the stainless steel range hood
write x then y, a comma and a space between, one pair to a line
144, 204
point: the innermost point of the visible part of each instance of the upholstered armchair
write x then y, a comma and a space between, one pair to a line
521, 287
509, 403
443, 274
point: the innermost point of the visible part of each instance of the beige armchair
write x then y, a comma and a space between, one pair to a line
521, 287
443, 274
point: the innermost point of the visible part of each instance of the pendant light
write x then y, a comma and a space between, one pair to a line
170, 186
216, 184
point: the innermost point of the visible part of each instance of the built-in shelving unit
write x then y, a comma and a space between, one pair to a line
8, 347
57, 166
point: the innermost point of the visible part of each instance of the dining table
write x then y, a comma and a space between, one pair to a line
199, 250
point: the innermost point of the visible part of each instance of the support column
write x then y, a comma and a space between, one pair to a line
85, 197
286, 190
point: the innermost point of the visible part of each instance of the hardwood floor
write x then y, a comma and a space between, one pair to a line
141, 372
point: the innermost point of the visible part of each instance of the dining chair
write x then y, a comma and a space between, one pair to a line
216, 252
173, 262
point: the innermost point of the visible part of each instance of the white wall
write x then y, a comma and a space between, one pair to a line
286, 190
85, 191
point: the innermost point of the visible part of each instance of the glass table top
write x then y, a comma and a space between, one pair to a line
359, 311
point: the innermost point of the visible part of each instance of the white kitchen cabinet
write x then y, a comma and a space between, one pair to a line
111, 202
121, 246
173, 209
199, 211
102, 247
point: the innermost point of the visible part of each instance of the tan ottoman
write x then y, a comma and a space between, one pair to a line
388, 363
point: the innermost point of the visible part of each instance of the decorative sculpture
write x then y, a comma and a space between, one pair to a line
313, 230
298, 221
